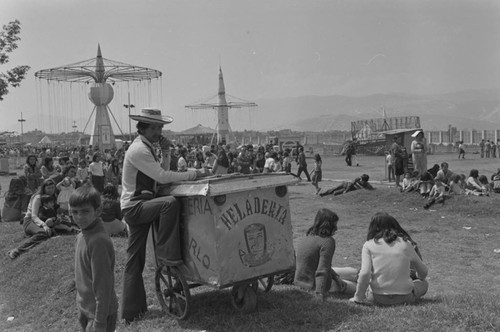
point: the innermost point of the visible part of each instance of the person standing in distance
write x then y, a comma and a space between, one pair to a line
419, 152
142, 171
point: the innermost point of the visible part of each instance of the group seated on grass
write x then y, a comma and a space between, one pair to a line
439, 182
392, 271
43, 216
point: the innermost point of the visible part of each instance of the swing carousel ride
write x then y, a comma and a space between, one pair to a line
221, 104
102, 75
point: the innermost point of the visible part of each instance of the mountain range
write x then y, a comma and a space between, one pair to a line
465, 110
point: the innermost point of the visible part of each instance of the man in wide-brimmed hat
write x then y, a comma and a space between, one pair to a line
142, 170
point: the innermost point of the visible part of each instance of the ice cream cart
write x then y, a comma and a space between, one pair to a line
236, 232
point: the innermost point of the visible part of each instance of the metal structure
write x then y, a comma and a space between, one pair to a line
372, 128
21, 120
102, 73
222, 107
372, 134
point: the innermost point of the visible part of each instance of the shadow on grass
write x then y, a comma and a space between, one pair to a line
277, 310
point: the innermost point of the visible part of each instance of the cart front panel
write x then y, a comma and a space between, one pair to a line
238, 236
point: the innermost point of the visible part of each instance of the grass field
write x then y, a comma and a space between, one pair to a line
458, 241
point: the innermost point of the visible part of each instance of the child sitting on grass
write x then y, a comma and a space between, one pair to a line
486, 188
436, 195
345, 187
314, 256
495, 183
65, 188
473, 186
457, 185
94, 263
48, 214
411, 182
387, 260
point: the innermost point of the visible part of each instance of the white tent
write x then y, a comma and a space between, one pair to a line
45, 140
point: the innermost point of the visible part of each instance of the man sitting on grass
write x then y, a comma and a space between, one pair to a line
346, 186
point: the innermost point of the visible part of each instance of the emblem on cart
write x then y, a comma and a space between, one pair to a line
256, 246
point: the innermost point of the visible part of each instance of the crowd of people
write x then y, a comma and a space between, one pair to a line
96, 194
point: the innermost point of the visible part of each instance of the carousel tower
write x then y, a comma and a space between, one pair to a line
222, 107
99, 72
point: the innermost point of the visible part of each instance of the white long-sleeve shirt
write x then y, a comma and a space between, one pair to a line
141, 172
386, 268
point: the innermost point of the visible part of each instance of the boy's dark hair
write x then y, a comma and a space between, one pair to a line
365, 177
385, 226
325, 223
483, 179
110, 191
85, 195
44, 199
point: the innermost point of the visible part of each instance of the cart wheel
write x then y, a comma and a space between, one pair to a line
172, 291
245, 297
266, 283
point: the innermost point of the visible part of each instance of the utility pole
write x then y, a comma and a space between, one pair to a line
129, 106
21, 120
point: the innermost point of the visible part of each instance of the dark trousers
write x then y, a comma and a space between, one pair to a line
88, 324
433, 200
348, 159
303, 169
36, 236
338, 190
163, 214
98, 182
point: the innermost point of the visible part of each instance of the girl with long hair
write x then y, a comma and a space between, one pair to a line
314, 255
37, 230
33, 173
221, 164
392, 271
48, 168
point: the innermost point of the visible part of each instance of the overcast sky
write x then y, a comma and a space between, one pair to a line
267, 48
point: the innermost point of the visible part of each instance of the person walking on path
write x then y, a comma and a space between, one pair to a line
317, 172
302, 164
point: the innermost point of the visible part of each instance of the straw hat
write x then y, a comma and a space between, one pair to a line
416, 133
152, 115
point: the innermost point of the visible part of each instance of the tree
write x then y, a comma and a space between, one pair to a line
9, 36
